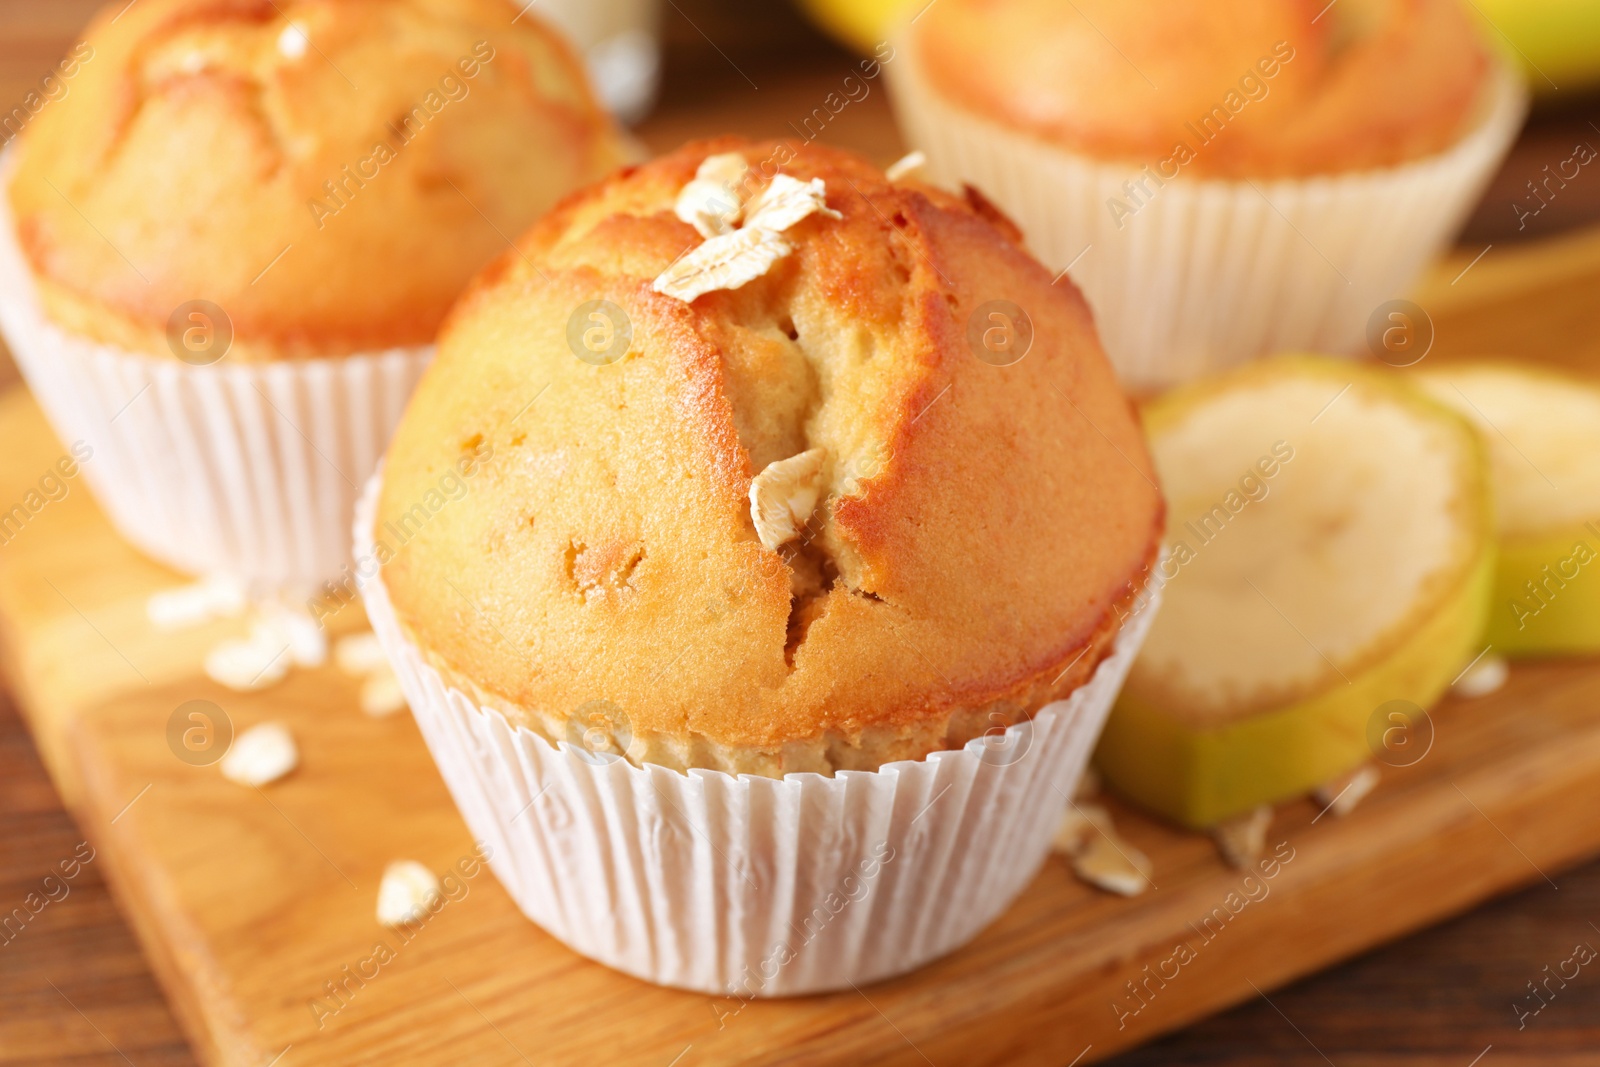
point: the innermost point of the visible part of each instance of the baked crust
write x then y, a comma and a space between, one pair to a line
1366, 83
982, 528
190, 153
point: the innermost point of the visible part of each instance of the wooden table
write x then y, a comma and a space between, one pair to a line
75, 988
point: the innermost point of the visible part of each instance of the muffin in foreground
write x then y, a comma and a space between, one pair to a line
763, 463
1227, 179
294, 193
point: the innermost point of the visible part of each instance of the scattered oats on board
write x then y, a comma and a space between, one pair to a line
300, 631
281, 637
1100, 857
711, 201
359, 654
247, 664
1077, 823
215, 597
1482, 678
1243, 838
1341, 795
264, 753
381, 695
1070, 834
1113, 865
908, 165
407, 891
783, 496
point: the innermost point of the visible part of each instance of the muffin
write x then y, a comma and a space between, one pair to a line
1224, 179
791, 497
230, 245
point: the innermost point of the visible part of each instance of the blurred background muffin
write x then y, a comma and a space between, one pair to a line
1226, 179
789, 472
1557, 42
1372, 83
295, 192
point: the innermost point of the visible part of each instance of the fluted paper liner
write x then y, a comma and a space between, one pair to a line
748, 886
1209, 273
246, 469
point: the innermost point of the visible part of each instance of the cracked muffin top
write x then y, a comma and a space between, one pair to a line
331, 173
1242, 88
871, 495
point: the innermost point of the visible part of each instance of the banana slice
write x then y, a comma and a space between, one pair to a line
1542, 430
1330, 550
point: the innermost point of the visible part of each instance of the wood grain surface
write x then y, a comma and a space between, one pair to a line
255, 905
74, 988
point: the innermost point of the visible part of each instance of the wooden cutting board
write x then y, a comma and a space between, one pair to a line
256, 906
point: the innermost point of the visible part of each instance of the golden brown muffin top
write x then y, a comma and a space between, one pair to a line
978, 524
1251, 88
330, 173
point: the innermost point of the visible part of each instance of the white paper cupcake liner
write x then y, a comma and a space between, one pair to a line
1210, 273
748, 886
248, 470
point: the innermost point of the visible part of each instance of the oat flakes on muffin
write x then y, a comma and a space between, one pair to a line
977, 528
755, 460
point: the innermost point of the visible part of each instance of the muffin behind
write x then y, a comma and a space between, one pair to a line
1229, 180
358, 139
231, 243
1282, 88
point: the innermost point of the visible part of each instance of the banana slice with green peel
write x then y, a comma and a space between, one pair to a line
1331, 547
1542, 430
